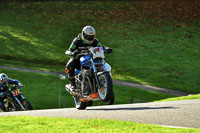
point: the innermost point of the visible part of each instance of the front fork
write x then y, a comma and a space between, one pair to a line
18, 101
95, 75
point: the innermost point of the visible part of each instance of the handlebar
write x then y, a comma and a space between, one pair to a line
81, 51
8, 92
15, 87
83, 48
107, 50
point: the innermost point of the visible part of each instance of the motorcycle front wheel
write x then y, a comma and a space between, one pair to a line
106, 89
27, 105
112, 99
79, 104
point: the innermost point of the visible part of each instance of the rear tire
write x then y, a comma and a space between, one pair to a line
79, 104
89, 103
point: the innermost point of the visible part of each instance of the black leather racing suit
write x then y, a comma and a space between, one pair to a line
4, 88
74, 62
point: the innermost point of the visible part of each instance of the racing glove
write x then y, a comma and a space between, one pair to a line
20, 85
75, 53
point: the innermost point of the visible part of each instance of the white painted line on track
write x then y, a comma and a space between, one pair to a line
176, 127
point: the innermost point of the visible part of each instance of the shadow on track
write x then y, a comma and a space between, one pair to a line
135, 108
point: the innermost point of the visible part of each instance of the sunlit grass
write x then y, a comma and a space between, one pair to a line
161, 53
128, 78
197, 96
51, 125
24, 37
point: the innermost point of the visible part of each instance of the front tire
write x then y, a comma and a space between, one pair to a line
106, 88
112, 99
27, 105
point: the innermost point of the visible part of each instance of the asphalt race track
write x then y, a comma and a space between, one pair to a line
185, 113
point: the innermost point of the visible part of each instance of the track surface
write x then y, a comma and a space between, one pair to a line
185, 113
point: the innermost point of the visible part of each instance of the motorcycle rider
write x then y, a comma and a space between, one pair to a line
85, 39
4, 82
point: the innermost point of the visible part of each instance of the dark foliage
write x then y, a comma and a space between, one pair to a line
24, 1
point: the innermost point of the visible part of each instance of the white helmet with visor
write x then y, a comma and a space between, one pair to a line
3, 77
88, 34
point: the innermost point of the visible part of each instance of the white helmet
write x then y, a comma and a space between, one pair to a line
3, 76
88, 34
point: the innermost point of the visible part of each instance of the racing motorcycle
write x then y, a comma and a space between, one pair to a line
15, 101
94, 80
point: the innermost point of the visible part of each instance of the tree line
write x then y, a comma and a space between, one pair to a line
24, 1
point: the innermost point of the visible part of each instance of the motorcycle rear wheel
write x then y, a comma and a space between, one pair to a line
112, 99
89, 103
79, 104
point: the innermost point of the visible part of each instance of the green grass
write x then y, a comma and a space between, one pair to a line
182, 98
42, 90
33, 66
151, 45
20, 124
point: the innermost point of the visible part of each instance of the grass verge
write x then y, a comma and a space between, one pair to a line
20, 124
182, 98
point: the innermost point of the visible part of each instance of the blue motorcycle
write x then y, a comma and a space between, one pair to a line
93, 80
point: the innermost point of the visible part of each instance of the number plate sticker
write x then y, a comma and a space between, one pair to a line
16, 92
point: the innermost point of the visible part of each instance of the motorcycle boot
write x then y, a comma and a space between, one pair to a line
72, 86
2, 108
